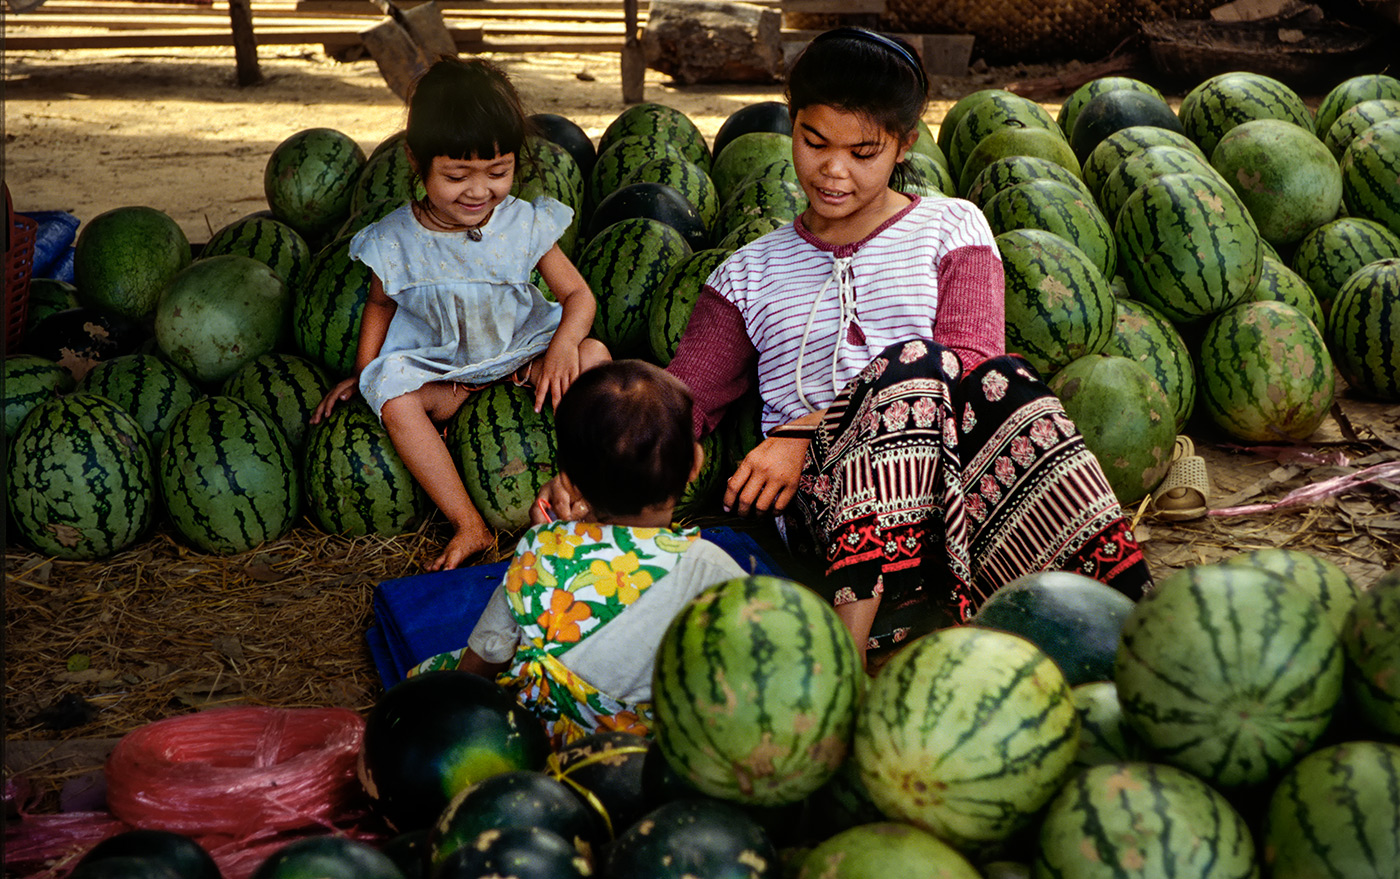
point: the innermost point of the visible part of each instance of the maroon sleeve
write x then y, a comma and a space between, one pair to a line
715, 358
971, 304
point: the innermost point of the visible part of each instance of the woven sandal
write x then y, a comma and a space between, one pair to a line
1183, 494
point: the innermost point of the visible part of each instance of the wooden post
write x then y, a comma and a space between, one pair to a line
634, 63
245, 46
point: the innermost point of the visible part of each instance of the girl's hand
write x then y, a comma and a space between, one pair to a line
558, 369
344, 390
767, 477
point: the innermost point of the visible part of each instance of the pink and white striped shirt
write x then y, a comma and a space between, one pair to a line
931, 271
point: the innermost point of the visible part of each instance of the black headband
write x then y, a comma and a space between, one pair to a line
869, 36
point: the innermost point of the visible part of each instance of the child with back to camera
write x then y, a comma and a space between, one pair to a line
576, 623
451, 308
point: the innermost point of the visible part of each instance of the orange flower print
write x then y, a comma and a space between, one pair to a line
623, 721
620, 577
522, 572
558, 543
560, 622
592, 530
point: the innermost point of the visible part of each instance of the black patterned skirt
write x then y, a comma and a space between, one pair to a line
933, 490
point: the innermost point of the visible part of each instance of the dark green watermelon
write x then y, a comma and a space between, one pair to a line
568, 134
653, 201
519, 852
759, 116
520, 798
184, 857
606, 769
1115, 110
327, 857
693, 837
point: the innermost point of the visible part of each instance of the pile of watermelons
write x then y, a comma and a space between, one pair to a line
1241, 720
1223, 262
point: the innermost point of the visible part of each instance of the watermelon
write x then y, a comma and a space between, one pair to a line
356, 482
1123, 143
1104, 736
693, 838
1356, 120
1373, 651
652, 201
284, 387
1228, 672
770, 116
408, 851
624, 266
79, 478
1187, 246
742, 426
1058, 208
1011, 170
702, 494
309, 180
1126, 418
1115, 110
960, 108
1350, 92
123, 867
1136, 169
1266, 374
148, 387
1283, 174
606, 769
387, 176
568, 134
665, 124
547, 169
620, 159
326, 312
505, 452
917, 174
227, 476
1334, 815
1364, 330
750, 230
49, 296
885, 849
745, 154
1058, 305
675, 298
1279, 283
966, 733
123, 258
688, 179
1043, 143
80, 338
28, 381
987, 116
754, 691
268, 241
177, 852
519, 798
1225, 100
1143, 335
1329, 585
1142, 819
762, 197
320, 856
221, 313
1073, 618
434, 735
1070, 109
1329, 255
520, 852
1371, 175
372, 212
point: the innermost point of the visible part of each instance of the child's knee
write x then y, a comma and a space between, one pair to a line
592, 352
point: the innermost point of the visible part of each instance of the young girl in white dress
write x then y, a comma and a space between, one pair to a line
451, 307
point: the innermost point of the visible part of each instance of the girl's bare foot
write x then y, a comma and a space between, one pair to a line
465, 543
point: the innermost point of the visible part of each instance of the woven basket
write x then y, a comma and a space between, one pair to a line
19, 263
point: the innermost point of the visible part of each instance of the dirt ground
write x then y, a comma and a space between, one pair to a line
160, 629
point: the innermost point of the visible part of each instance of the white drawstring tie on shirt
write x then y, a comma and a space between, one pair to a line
846, 294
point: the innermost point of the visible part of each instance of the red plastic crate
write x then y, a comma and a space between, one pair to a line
19, 264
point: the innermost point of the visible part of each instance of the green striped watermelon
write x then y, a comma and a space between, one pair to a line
123, 258
1225, 100
326, 312
356, 483
1354, 122
620, 159
284, 387
1058, 305
309, 180
781, 168
1350, 92
666, 124
370, 213
547, 169
1279, 283
755, 689
1126, 418
1130, 820
227, 476
1334, 251
993, 112
1364, 330
1284, 175
220, 313
750, 230
387, 175
1069, 110
1045, 143
1058, 208
742, 426
1265, 373
1334, 815
1104, 736
703, 493
919, 174
1011, 170
505, 451
1142, 334
624, 266
675, 298
268, 241
1373, 653
960, 108
885, 848
150, 388
688, 179
28, 381
1228, 672
79, 479
1136, 169
1123, 143
1371, 175
747, 154
761, 197
1187, 246
1328, 584
966, 733
49, 296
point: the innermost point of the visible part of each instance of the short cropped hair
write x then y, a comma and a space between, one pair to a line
465, 108
624, 433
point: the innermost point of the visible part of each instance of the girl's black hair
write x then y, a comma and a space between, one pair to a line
625, 440
465, 108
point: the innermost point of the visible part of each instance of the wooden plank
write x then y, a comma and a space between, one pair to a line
835, 7
158, 22
480, 7
188, 37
